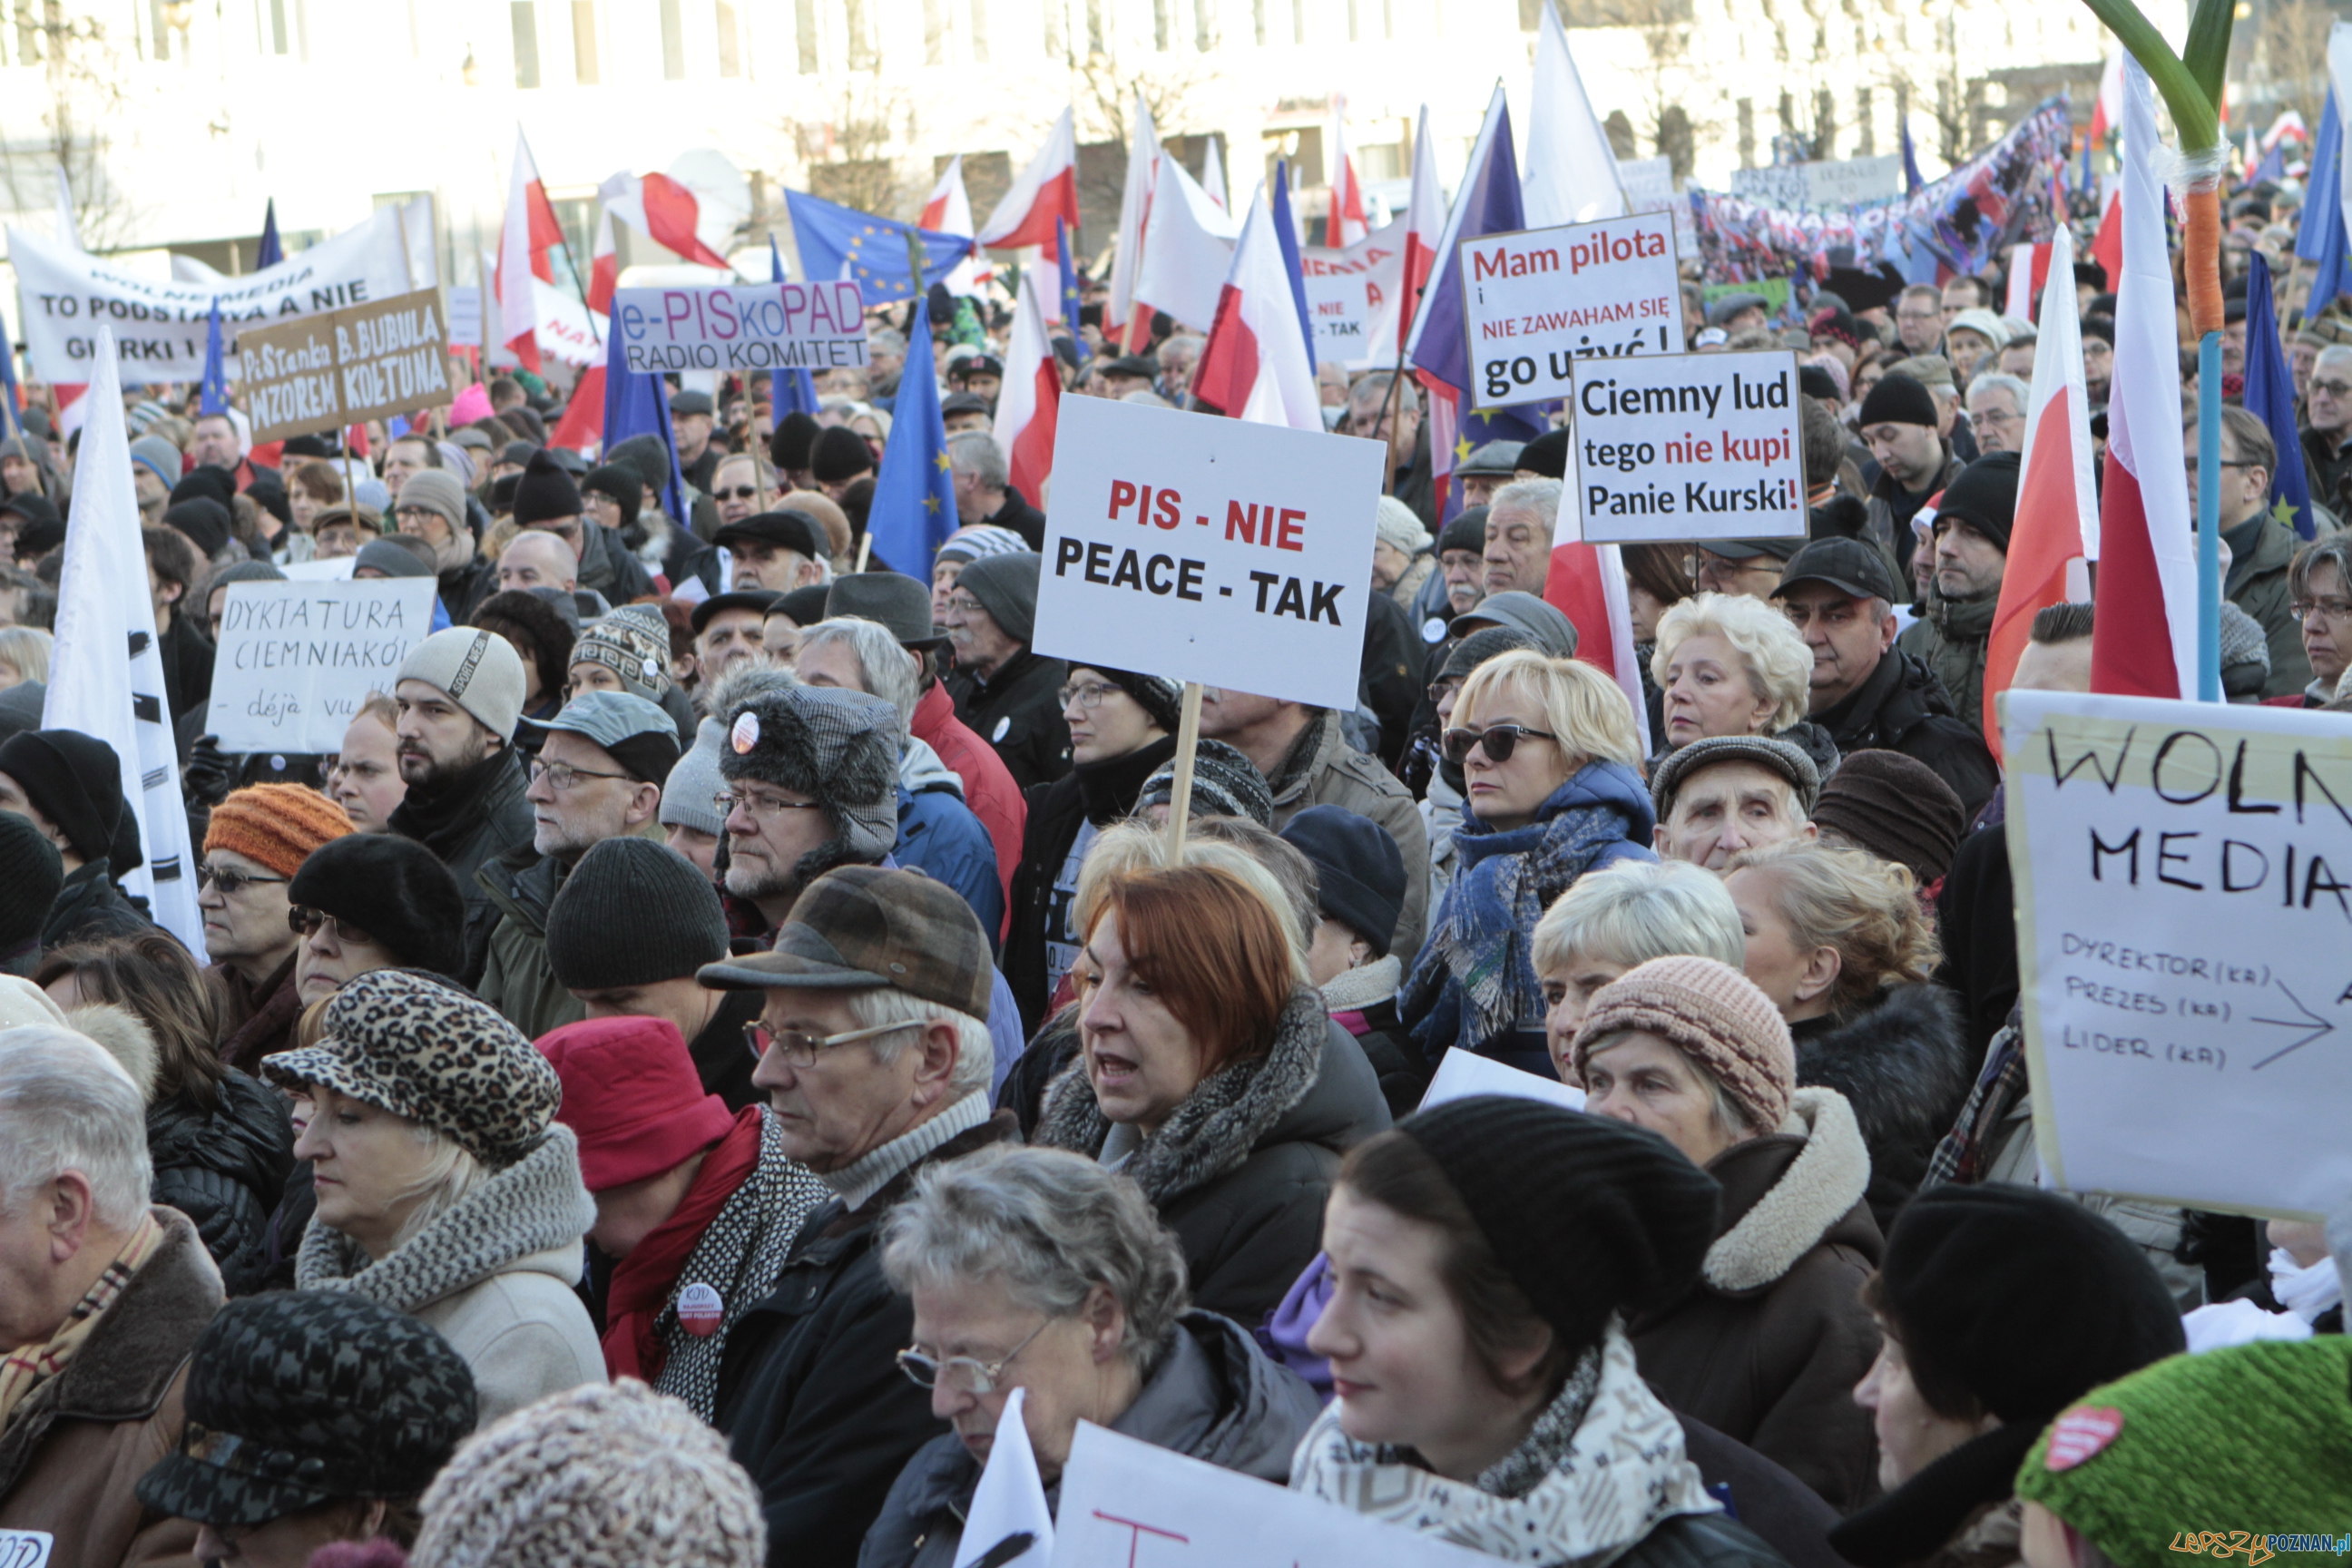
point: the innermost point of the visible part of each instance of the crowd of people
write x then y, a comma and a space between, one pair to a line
732, 1012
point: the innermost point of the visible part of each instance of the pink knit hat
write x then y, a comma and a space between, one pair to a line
472, 404
1713, 1014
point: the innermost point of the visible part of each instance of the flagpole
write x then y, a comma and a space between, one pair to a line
2208, 518
578, 281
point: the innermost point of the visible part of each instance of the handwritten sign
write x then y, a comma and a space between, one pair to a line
2184, 942
26, 1548
761, 326
1677, 446
1535, 303
296, 660
1825, 184
1353, 298
343, 367
1210, 550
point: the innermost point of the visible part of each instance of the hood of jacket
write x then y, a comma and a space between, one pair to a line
1612, 786
1781, 1201
247, 1136
1963, 620
920, 769
1903, 1066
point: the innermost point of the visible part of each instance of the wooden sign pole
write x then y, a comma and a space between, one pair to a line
1187, 744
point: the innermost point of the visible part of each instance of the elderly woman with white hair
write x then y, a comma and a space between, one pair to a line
1617, 918
1731, 665
1038, 1269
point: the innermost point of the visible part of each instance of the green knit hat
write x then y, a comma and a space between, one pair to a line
2256, 1436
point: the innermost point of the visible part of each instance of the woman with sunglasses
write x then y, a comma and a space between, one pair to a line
368, 901
1039, 1271
1547, 751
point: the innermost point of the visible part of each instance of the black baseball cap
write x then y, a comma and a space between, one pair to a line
1748, 549
976, 364
963, 403
1846, 564
789, 529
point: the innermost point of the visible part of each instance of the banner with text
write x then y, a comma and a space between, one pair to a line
742, 327
319, 373
1537, 302
1210, 550
1828, 184
2184, 944
1686, 447
1353, 298
296, 660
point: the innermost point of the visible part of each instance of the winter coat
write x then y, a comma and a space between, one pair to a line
988, 788
810, 1394
1364, 1003
2326, 463
1892, 507
1473, 984
478, 817
92, 907
1976, 914
187, 656
1902, 706
1767, 1343
1789, 1515
1951, 639
1018, 710
939, 836
496, 1273
1389, 680
255, 1021
2257, 585
76, 1447
464, 587
516, 976
226, 1169
1322, 768
607, 567
1905, 1068
1022, 519
1214, 1397
1441, 812
1241, 1168
1960, 1511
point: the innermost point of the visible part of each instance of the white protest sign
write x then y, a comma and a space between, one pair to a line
296, 660
2184, 944
1847, 182
1461, 1074
1353, 298
1127, 1504
743, 326
1649, 188
466, 316
26, 1548
1535, 303
1210, 550
1685, 447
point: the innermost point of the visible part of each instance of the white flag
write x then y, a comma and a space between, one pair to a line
1571, 170
1010, 1500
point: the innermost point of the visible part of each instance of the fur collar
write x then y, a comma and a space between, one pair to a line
1819, 1188
1219, 1124
1353, 990
1902, 1066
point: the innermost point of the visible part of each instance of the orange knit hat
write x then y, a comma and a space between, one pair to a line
275, 825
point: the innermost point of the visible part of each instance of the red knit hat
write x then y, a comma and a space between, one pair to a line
1712, 1014
631, 1096
276, 826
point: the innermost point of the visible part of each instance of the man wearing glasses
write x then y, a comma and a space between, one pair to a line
877, 1063
1997, 412
1919, 318
2260, 546
1008, 694
2328, 430
778, 551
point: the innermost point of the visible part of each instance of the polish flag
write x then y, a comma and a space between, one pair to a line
2107, 108
2144, 638
603, 266
1047, 189
663, 211
1586, 583
948, 210
1134, 220
1256, 367
2107, 244
1029, 407
531, 229
2029, 270
1347, 224
2057, 532
1187, 251
1212, 174
1425, 221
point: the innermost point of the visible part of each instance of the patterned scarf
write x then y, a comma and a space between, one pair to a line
27, 1367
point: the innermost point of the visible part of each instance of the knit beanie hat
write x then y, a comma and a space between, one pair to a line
72, 779
204, 521
1486, 643
633, 1097
1394, 525
1161, 698
392, 887
1983, 495
689, 793
1006, 587
158, 456
633, 913
2258, 1431
1898, 807
394, 555
277, 825
619, 483
207, 479
633, 642
650, 455
839, 455
837, 747
546, 493
1360, 879
1224, 783
601, 1476
1897, 399
1466, 532
31, 872
2246, 654
1546, 455
437, 490
479, 669
1712, 1014
793, 439
978, 539
1624, 1221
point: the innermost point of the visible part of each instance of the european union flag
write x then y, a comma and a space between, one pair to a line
637, 403
2310, 237
1069, 273
1488, 202
791, 391
836, 241
269, 252
215, 393
2270, 397
914, 508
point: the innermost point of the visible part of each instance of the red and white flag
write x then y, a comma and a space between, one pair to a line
603, 266
1187, 251
2107, 242
529, 231
948, 210
1134, 220
2144, 638
1347, 224
1212, 174
1586, 583
1425, 221
2107, 108
2029, 269
1256, 367
2057, 530
1047, 189
1030, 406
663, 211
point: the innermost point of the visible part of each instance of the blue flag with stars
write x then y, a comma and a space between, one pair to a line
2270, 397
216, 383
794, 390
836, 241
270, 251
1069, 270
637, 403
914, 506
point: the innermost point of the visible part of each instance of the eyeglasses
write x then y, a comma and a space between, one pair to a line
798, 1048
2191, 465
2333, 388
2336, 610
961, 1374
1498, 740
738, 492
562, 776
420, 515
1085, 698
966, 604
231, 883
759, 804
302, 920
1439, 691
1994, 418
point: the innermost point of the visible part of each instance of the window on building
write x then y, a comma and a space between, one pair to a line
1354, 31
524, 14
159, 30
804, 34
1204, 25
1257, 21
1297, 21
1747, 107
1095, 34
584, 42
673, 32
731, 39
279, 24
857, 17
979, 32
935, 34
1865, 127
1825, 125
1161, 24
1382, 161
1531, 14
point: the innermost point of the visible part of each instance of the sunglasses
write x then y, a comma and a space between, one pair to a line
740, 492
1498, 740
231, 883
302, 921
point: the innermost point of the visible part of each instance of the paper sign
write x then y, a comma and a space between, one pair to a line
1685, 447
1125, 1504
1210, 550
1461, 1074
1353, 298
1828, 184
1535, 303
1649, 188
24, 1548
296, 660
466, 316
2184, 942
345, 367
748, 326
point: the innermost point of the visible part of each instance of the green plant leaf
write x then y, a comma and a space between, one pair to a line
2184, 94
2206, 51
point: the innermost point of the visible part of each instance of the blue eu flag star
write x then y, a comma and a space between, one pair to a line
913, 510
836, 241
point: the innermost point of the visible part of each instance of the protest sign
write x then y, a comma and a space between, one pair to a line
1208, 550
318, 372
1688, 447
1649, 188
1773, 291
2184, 898
1826, 184
741, 327
1536, 302
1128, 1504
296, 659
1461, 1074
466, 316
1353, 298
26, 1548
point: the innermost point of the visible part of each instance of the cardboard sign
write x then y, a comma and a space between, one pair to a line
738, 327
1353, 298
1125, 1504
344, 367
1210, 550
296, 660
1685, 447
2184, 944
1461, 1074
26, 1548
1535, 303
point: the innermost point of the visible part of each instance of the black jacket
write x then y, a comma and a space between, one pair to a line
810, 1394
1022, 519
90, 907
187, 665
1903, 708
226, 1169
606, 565
476, 817
1976, 914
1906, 1068
463, 588
1391, 682
1019, 711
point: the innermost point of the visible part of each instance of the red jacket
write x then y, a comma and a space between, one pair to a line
988, 786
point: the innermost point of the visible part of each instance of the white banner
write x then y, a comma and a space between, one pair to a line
296, 660
1830, 185
1353, 297
742, 327
1536, 302
1687, 446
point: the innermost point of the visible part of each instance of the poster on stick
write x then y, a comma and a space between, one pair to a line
296, 660
1352, 297
742, 327
344, 367
1688, 447
1536, 302
2184, 944
1210, 550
